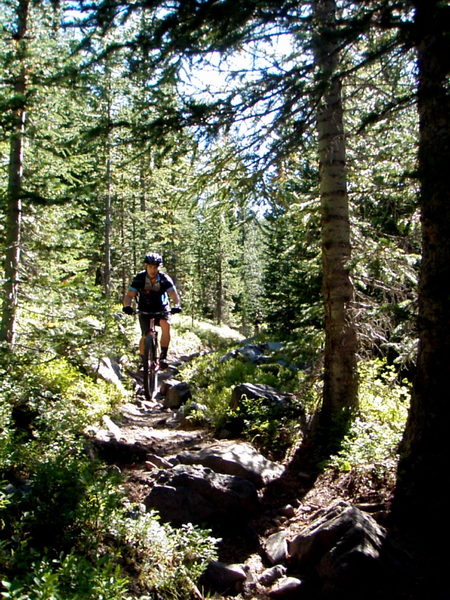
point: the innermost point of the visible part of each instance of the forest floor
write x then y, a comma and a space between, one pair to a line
289, 504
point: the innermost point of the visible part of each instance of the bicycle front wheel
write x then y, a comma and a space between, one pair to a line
149, 367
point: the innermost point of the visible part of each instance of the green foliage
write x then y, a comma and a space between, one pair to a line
376, 432
71, 535
165, 560
45, 407
66, 530
292, 270
204, 334
272, 427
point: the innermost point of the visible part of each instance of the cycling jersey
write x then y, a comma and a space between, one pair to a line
152, 298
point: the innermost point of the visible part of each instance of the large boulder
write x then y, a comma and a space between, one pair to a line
280, 403
235, 458
175, 393
258, 391
344, 548
196, 494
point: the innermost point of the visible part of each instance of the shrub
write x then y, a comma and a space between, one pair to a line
375, 434
273, 428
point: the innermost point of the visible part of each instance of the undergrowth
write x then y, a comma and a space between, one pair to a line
67, 532
376, 431
272, 426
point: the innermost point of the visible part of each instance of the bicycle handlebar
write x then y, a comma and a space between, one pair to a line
155, 315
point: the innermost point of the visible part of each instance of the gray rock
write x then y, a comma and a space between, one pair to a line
259, 391
287, 587
155, 461
235, 458
276, 547
343, 547
108, 370
268, 576
224, 578
195, 494
175, 393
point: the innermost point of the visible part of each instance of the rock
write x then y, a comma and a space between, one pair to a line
223, 578
276, 547
269, 395
108, 370
287, 587
235, 458
288, 511
175, 393
115, 451
157, 461
112, 428
268, 576
195, 494
343, 547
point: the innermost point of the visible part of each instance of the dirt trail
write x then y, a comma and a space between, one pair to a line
144, 436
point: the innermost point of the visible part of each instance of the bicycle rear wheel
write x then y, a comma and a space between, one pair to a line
150, 366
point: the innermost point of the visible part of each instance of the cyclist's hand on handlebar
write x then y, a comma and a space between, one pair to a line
127, 310
176, 309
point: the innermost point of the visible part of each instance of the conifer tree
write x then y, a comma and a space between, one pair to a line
15, 176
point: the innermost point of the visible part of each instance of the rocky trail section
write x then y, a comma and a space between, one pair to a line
281, 537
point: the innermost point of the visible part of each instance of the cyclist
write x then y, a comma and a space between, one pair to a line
153, 290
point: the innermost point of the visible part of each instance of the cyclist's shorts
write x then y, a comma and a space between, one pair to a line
144, 321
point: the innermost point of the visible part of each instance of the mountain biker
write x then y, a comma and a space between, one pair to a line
153, 290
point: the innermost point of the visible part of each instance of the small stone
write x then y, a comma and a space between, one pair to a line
285, 588
270, 575
289, 511
276, 547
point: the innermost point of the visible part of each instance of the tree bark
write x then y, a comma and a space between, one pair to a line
14, 193
340, 391
421, 500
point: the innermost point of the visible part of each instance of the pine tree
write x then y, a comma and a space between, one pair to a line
15, 177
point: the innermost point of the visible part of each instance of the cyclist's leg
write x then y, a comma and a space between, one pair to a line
144, 322
165, 337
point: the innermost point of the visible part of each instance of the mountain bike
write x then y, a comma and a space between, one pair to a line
150, 357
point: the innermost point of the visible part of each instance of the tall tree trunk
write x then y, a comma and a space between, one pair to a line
108, 224
14, 195
108, 188
340, 392
421, 499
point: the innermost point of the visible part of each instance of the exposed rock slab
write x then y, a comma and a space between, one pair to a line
343, 547
196, 494
235, 458
258, 390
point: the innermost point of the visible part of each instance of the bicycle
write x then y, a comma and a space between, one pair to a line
150, 357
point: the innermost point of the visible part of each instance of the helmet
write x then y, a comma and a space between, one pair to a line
153, 259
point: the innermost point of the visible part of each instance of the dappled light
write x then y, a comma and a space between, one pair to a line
225, 235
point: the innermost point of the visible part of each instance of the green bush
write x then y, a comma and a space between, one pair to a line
376, 432
273, 428
66, 529
69, 533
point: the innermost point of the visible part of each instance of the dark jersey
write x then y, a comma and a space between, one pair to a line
152, 298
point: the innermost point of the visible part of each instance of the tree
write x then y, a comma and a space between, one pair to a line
280, 96
15, 176
421, 499
340, 392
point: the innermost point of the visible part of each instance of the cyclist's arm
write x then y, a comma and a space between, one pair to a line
174, 296
128, 298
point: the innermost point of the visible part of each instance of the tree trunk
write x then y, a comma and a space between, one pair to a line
108, 221
421, 499
340, 376
14, 194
